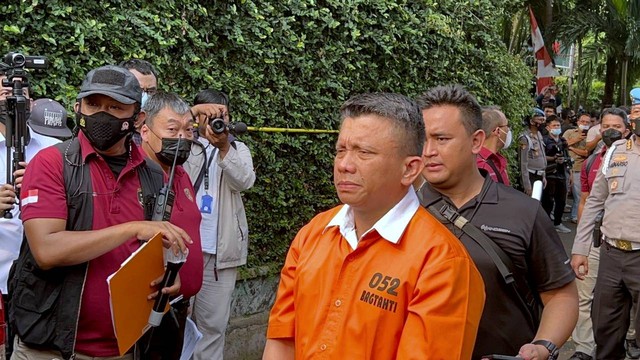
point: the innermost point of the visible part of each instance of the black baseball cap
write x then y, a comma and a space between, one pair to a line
49, 118
113, 81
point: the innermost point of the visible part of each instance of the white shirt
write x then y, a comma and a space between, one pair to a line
11, 229
390, 227
209, 223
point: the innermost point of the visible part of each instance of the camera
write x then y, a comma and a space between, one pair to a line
219, 126
17, 60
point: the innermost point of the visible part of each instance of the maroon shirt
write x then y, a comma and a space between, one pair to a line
586, 180
484, 156
115, 201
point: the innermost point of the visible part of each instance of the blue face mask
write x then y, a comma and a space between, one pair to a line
555, 132
145, 97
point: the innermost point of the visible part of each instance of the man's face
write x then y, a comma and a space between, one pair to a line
450, 150
148, 83
553, 125
613, 122
548, 111
8, 91
537, 120
97, 102
635, 112
369, 166
584, 120
502, 129
167, 124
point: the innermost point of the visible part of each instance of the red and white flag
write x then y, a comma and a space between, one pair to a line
546, 70
31, 198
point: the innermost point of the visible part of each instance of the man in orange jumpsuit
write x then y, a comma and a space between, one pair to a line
378, 277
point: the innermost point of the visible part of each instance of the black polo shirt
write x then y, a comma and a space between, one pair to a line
522, 229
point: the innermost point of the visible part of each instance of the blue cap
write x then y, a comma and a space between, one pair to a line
537, 112
635, 96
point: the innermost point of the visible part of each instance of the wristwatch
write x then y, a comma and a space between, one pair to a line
553, 349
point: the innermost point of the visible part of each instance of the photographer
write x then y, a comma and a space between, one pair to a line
555, 193
220, 169
11, 228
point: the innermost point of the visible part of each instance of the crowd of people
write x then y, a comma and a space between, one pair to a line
440, 258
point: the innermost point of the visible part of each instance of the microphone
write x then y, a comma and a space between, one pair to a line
238, 128
174, 263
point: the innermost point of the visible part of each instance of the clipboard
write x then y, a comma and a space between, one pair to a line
129, 288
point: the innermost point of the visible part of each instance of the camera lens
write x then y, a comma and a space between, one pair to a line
217, 125
17, 60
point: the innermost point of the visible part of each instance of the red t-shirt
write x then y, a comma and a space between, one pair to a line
482, 160
186, 215
586, 180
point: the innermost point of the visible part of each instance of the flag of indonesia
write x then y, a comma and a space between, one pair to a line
31, 198
545, 69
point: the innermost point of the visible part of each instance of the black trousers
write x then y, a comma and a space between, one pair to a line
555, 193
617, 288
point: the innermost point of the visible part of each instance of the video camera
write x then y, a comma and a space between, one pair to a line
219, 126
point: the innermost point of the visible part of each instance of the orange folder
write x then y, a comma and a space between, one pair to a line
129, 288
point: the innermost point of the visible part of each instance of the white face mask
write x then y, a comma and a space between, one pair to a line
145, 97
508, 140
584, 127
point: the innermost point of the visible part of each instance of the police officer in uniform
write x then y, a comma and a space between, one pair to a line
617, 288
532, 157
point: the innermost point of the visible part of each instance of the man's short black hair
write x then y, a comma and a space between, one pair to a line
457, 96
142, 66
551, 118
211, 96
402, 111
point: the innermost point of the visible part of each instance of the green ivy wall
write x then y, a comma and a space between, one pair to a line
285, 64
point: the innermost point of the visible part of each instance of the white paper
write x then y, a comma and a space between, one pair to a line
191, 338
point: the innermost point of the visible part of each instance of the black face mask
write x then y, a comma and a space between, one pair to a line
4, 113
610, 136
171, 149
103, 129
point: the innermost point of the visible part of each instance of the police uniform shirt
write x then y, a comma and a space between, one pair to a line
522, 229
532, 145
616, 190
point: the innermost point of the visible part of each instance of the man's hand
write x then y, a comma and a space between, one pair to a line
19, 174
173, 237
221, 141
580, 265
7, 197
533, 352
202, 112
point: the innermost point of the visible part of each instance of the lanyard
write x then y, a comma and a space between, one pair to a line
207, 164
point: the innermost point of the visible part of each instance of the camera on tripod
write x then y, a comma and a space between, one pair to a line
219, 126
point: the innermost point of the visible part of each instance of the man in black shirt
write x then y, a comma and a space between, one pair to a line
514, 222
558, 161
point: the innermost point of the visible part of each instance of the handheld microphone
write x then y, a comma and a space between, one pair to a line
174, 263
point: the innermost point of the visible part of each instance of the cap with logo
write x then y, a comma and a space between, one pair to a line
113, 81
49, 118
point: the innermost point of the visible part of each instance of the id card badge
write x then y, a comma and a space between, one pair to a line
207, 200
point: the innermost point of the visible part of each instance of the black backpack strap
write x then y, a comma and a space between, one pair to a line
442, 210
77, 183
495, 170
